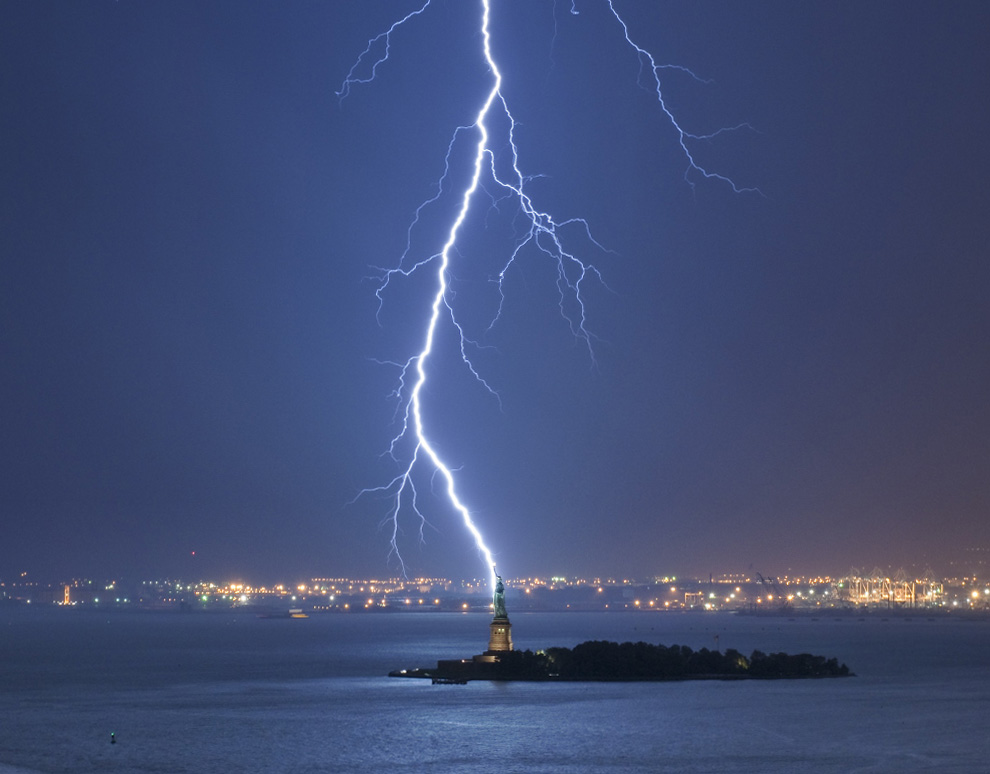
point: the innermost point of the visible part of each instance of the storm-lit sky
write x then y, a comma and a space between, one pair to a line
191, 360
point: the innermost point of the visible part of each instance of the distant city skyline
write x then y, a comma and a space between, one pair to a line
741, 593
973, 563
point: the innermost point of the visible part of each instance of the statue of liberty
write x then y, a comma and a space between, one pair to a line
500, 639
499, 598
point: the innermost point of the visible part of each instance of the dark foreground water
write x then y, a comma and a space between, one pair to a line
233, 693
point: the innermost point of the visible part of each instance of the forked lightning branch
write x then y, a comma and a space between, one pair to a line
543, 233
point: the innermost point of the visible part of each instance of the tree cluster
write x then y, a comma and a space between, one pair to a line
602, 660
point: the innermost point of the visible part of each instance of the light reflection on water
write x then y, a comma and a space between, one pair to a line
229, 692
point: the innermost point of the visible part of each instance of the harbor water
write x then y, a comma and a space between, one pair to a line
230, 692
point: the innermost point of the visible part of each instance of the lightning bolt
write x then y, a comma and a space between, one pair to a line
411, 447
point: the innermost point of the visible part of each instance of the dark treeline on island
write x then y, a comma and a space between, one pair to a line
600, 660
632, 661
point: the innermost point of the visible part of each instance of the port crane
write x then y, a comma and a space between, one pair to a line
774, 593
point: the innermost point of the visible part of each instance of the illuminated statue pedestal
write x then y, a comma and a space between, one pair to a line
500, 638
499, 641
481, 667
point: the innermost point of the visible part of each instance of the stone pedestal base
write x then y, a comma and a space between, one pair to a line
500, 639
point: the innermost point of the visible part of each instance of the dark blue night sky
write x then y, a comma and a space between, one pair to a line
790, 381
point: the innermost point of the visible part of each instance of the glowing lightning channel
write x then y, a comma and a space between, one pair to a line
542, 232
682, 135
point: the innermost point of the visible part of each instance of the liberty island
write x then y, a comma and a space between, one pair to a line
610, 661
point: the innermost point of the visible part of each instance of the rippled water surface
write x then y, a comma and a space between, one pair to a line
228, 692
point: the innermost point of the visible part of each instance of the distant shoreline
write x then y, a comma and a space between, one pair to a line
275, 612
431, 674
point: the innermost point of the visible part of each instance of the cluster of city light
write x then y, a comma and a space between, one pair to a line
535, 592
783, 580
